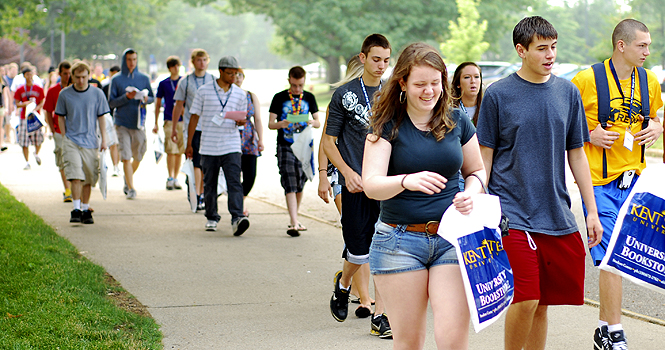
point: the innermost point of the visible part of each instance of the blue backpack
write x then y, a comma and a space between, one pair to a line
603, 90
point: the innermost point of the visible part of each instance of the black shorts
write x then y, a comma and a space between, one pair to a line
359, 215
292, 177
196, 145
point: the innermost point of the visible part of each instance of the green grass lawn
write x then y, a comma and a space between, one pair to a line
53, 298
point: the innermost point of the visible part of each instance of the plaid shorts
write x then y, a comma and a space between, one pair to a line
25, 138
293, 178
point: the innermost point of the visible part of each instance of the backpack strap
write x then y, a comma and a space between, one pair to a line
644, 100
603, 91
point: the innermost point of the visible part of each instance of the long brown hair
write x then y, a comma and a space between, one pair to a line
457, 89
387, 105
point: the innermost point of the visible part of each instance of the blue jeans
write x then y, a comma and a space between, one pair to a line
230, 164
396, 250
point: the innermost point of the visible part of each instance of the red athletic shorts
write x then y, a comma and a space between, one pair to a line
549, 268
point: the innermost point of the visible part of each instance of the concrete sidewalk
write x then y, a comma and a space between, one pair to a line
263, 290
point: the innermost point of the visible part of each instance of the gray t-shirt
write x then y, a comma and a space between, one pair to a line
81, 110
530, 127
414, 151
348, 120
186, 91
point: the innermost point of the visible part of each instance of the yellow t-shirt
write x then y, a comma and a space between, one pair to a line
619, 158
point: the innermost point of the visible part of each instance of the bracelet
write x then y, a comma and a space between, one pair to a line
320, 170
404, 178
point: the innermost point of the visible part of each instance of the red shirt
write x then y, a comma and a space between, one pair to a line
49, 104
23, 95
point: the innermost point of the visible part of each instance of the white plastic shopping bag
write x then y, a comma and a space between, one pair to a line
158, 145
221, 183
486, 272
102, 173
188, 169
303, 149
637, 248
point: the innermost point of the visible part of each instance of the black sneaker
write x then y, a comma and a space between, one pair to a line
86, 217
339, 302
601, 339
381, 327
618, 339
76, 216
200, 203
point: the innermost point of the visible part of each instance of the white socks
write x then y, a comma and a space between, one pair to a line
85, 206
615, 327
341, 287
77, 204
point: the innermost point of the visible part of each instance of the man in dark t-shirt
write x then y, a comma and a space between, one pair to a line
524, 147
344, 144
289, 114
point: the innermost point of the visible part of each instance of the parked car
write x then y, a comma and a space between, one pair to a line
500, 73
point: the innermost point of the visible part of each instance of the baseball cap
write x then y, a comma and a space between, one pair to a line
228, 62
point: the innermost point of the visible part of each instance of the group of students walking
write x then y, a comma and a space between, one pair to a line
399, 153
402, 147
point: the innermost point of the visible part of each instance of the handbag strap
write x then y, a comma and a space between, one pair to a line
481, 182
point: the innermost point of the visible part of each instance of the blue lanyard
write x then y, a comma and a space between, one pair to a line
632, 89
172, 86
461, 105
220, 99
362, 84
196, 80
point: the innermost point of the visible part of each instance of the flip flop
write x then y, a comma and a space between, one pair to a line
292, 231
357, 301
363, 311
301, 227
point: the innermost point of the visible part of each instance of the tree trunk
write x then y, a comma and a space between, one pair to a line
333, 73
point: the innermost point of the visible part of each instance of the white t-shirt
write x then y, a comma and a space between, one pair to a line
19, 81
218, 138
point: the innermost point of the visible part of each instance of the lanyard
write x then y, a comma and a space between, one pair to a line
220, 99
196, 80
173, 86
461, 105
632, 89
362, 84
293, 104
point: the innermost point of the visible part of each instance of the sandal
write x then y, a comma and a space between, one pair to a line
357, 301
292, 231
301, 227
363, 311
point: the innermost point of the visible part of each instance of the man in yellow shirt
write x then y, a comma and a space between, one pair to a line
615, 153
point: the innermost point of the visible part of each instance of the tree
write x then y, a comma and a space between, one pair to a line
652, 13
466, 35
334, 29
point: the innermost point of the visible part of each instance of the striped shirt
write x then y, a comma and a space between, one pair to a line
217, 140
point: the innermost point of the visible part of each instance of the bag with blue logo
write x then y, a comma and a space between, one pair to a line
637, 248
34, 120
486, 272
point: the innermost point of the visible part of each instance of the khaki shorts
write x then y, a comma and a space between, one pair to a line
59, 161
80, 163
169, 146
131, 143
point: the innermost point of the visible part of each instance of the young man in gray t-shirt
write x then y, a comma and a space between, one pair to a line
81, 111
524, 143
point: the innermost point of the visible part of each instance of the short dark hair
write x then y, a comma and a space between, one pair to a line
297, 72
114, 69
625, 31
374, 40
64, 65
172, 61
530, 27
130, 51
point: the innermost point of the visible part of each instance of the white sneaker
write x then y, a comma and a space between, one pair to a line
38, 160
170, 184
211, 225
176, 184
116, 171
131, 194
27, 166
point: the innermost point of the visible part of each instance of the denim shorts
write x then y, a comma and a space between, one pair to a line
396, 250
